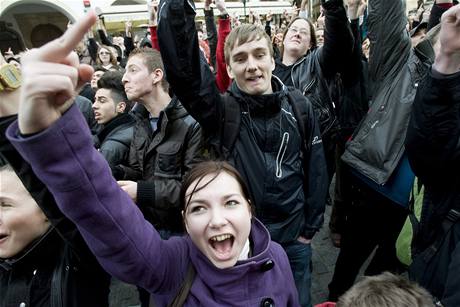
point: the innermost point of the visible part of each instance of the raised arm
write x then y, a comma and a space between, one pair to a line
187, 71
439, 7
338, 40
153, 23
125, 244
433, 136
223, 80
211, 31
390, 42
128, 39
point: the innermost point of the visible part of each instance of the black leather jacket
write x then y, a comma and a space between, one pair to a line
158, 161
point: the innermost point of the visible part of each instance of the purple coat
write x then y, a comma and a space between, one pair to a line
127, 246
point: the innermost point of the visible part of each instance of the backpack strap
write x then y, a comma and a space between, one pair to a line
298, 104
184, 290
231, 125
452, 217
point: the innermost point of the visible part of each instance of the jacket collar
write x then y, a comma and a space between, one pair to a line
42, 249
117, 121
261, 104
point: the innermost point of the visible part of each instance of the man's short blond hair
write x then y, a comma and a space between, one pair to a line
243, 34
386, 290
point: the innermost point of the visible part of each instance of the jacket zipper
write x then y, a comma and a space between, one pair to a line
280, 155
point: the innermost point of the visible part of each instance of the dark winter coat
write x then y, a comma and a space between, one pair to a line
433, 148
129, 247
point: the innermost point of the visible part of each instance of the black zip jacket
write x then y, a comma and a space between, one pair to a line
433, 148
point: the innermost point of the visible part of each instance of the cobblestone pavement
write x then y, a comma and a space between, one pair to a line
324, 256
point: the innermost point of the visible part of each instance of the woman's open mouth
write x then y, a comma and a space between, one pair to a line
222, 245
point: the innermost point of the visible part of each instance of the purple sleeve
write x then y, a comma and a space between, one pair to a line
126, 245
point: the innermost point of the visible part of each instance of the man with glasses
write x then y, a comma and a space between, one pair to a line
310, 68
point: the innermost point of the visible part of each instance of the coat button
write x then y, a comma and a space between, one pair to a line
267, 266
267, 302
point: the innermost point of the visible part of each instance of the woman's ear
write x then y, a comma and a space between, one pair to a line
184, 220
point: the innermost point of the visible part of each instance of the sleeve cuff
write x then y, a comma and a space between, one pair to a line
145, 193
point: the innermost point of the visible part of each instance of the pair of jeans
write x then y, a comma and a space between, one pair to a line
299, 255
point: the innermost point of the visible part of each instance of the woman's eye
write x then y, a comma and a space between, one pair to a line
231, 203
197, 209
4, 205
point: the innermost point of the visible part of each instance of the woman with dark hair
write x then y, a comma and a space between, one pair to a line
226, 258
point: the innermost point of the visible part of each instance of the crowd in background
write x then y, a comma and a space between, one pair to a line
365, 94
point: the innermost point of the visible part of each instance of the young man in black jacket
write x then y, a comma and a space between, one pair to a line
257, 126
433, 147
111, 107
166, 143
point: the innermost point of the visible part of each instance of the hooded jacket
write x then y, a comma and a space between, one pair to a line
377, 145
129, 247
57, 269
267, 151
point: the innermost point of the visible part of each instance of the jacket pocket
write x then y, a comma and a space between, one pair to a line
169, 160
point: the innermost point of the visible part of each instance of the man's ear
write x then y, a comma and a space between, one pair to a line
157, 75
229, 71
121, 106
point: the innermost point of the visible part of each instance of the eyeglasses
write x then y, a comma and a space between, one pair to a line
104, 53
303, 32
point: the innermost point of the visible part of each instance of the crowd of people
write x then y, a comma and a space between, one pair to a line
196, 163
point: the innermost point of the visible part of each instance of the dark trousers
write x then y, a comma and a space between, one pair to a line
373, 221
